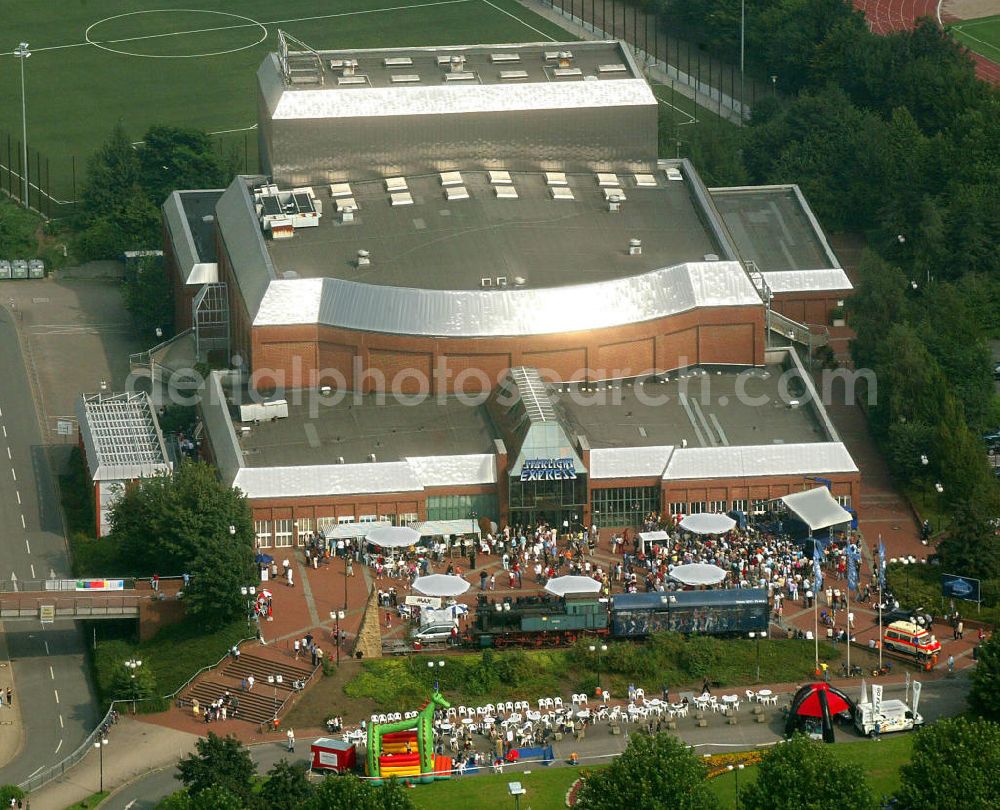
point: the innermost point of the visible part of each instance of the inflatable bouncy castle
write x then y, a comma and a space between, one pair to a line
405, 749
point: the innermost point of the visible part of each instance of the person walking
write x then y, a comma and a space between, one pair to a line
951, 664
291, 740
10, 696
960, 629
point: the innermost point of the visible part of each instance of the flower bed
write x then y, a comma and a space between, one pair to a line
718, 764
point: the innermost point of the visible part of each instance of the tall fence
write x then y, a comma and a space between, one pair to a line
679, 60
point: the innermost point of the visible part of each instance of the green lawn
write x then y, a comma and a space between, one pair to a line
981, 36
76, 90
547, 786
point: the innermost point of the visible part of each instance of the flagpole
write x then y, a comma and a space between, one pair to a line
816, 624
881, 577
849, 624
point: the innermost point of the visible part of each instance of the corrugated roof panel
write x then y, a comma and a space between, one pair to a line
240, 233
458, 97
629, 462
759, 460
443, 471
327, 479
510, 311
808, 280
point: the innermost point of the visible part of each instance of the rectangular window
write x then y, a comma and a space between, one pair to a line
325, 523
368, 519
844, 500
623, 506
678, 508
283, 533
345, 519
303, 528
740, 505
387, 518
718, 507
697, 507
407, 518
262, 529
759, 506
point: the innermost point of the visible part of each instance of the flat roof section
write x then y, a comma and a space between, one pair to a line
199, 210
699, 406
443, 244
773, 227
392, 431
507, 64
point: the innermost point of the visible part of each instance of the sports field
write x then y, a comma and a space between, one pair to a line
981, 36
95, 63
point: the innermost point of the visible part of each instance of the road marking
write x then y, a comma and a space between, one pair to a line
52, 675
41, 767
23, 524
46, 648
59, 746
14, 473
18, 493
5, 431
27, 545
61, 723
56, 691
32, 570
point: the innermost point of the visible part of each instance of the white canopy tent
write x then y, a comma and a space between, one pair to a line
698, 574
817, 508
651, 537
393, 536
560, 586
446, 528
441, 585
708, 523
346, 530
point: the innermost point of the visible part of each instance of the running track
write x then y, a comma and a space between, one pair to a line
886, 16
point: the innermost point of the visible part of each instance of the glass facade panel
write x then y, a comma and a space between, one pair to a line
678, 508
262, 528
283, 533
461, 507
718, 507
623, 506
740, 505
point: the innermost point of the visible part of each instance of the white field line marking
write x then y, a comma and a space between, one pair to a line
61, 723
242, 25
56, 692
59, 746
18, 493
983, 42
52, 673
514, 17
32, 570
27, 545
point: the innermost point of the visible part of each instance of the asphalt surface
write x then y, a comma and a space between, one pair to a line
939, 699
50, 673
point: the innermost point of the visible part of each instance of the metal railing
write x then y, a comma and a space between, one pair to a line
47, 775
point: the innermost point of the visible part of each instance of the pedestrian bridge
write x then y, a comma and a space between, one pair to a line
53, 599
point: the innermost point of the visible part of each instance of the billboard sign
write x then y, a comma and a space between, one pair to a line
548, 469
958, 587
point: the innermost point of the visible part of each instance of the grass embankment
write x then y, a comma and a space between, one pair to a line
394, 684
547, 787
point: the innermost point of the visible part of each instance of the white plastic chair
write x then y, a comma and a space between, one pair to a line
583, 700
452, 712
541, 703
606, 695
462, 711
490, 709
640, 694
510, 705
751, 696
557, 702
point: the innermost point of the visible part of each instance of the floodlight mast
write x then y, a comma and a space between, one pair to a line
22, 53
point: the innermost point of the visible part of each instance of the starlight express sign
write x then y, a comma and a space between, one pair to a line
548, 469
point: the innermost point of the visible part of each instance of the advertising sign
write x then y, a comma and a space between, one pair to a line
548, 469
46, 614
876, 699
424, 601
956, 587
100, 585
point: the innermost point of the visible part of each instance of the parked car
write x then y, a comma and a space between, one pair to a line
433, 632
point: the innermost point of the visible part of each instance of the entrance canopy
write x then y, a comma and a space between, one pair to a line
446, 528
817, 508
708, 523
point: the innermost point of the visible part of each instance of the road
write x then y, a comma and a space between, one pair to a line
58, 706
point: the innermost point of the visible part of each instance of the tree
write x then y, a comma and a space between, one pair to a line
351, 793
954, 764
970, 547
189, 523
220, 762
286, 787
113, 176
652, 772
148, 295
986, 681
178, 158
212, 798
803, 774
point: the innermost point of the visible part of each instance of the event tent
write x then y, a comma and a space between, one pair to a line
560, 586
817, 701
447, 528
708, 523
441, 585
651, 537
698, 574
393, 536
817, 508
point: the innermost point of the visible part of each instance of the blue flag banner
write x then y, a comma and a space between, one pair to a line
881, 564
817, 572
852, 567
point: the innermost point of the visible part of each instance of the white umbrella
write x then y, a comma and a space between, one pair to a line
393, 536
441, 585
698, 574
560, 586
708, 523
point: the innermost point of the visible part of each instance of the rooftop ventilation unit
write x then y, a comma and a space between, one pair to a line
351, 80
673, 173
608, 180
711, 257
611, 193
371, 458
634, 247
456, 76
450, 179
341, 190
401, 198
505, 57
511, 75
346, 204
396, 184
505, 192
561, 193
520, 281
551, 56
645, 181
457, 63
397, 61
556, 179
500, 178
453, 193
565, 59
289, 275
485, 282
364, 258
614, 206
405, 78
567, 72
501, 281
616, 68
208, 218
340, 460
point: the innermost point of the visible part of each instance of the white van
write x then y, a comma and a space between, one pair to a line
894, 715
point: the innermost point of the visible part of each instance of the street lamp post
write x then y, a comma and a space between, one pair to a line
132, 665
99, 745
275, 681
757, 636
743, 28
599, 649
431, 665
249, 593
338, 617
736, 771
22, 53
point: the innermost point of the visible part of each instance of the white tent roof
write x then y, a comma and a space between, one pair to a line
444, 528
393, 536
698, 574
708, 523
346, 530
560, 586
817, 508
441, 585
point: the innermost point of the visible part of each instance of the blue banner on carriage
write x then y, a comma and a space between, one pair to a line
956, 587
548, 469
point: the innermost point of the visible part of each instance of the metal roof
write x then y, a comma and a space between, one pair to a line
242, 239
327, 479
444, 471
629, 462
121, 437
214, 408
751, 461
192, 239
499, 312
808, 280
